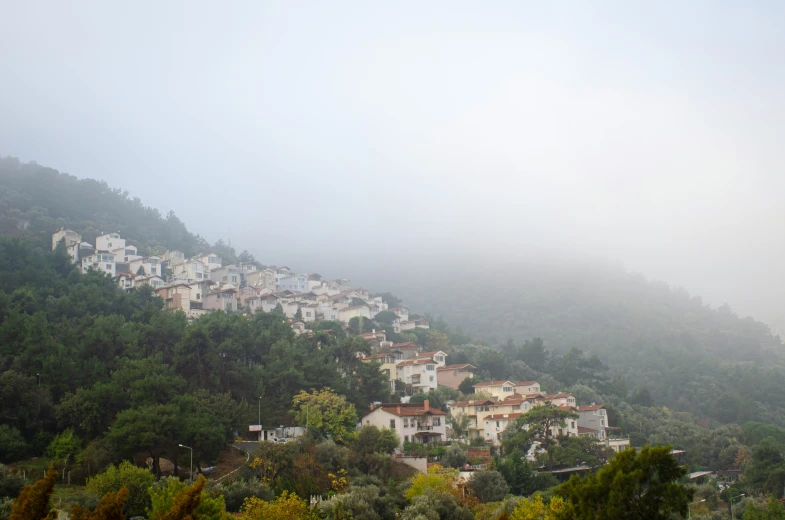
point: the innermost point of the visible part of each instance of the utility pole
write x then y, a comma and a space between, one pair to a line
260, 419
192, 459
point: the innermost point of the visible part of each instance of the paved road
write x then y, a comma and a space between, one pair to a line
249, 446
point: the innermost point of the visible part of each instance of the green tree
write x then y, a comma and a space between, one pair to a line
141, 271
518, 474
126, 475
538, 425
12, 444
488, 486
326, 412
773, 511
634, 485
534, 354
455, 456
64, 446
460, 424
467, 385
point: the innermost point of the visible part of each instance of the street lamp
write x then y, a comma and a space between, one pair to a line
39, 378
731, 504
694, 503
307, 410
260, 419
192, 459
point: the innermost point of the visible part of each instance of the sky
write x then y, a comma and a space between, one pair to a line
351, 136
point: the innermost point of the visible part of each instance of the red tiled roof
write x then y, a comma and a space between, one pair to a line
416, 361
471, 403
581, 430
558, 396
590, 408
456, 367
503, 416
508, 402
407, 409
492, 383
407, 344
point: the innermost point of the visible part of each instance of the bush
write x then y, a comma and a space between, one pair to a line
236, 492
137, 480
10, 484
455, 456
12, 445
5, 508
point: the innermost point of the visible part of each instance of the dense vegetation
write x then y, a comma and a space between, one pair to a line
78, 353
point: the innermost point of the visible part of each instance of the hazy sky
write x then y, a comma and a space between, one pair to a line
346, 133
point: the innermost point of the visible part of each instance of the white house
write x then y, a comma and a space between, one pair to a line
416, 422
72, 241
100, 261
109, 242
419, 373
150, 264
211, 261
190, 271
154, 281
222, 299
497, 389
226, 274
296, 283
172, 258
437, 355
126, 281
592, 421
527, 387
348, 313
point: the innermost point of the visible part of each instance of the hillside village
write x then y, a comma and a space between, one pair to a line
202, 284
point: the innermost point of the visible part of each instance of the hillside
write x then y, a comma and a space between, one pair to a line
36, 200
689, 356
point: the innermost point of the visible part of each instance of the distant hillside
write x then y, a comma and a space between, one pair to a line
36, 200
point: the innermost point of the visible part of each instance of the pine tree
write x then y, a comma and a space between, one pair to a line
33, 502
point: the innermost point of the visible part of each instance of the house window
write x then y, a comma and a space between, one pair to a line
198, 296
430, 367
497, 424
392, 424
572, 424
431, 379
507, 389
109, 266
405, 422
406, 438
437, 421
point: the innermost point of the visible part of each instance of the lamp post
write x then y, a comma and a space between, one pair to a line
192, 459
39, 378
694, 503
731, 504
260, 419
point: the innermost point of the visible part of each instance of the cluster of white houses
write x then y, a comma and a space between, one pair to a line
202, 283
488, 418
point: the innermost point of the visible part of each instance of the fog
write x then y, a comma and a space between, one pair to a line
368, 138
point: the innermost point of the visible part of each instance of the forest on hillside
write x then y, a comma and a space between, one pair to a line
37, 201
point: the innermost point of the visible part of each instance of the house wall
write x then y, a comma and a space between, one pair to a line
594, 419
109, 242
452, 378
346, 314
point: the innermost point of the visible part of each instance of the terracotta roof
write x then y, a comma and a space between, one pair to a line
565, 407
500, 416
590, 408
456, 367
407, 409
492, 383
515, 395
420, 361
558, 396
430, 354
508, 402
525, 383
581, 430
471, 403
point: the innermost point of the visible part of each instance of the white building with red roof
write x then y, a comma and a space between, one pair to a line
413, 422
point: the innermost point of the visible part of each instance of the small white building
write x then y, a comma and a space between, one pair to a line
419, 373
226, 274
295, 283
210, 261
347, 313
72, 242
416, 422
109, 242
151, 265
100, 261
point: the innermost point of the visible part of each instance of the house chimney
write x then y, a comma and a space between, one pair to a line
371, 406
427, 405
398, 410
